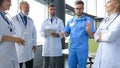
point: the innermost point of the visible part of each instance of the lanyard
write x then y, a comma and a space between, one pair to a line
7, 21
22, 19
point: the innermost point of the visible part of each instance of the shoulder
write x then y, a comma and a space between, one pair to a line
71, 20
88, 17
59, 19
118, 19
119, 16
45, 21
14, 17
30, 19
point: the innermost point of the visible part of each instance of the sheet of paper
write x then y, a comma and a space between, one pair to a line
49, 31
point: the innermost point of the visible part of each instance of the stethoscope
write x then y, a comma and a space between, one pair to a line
109, 23
10, 27
72, 22
22, 19
53, 19
17, 17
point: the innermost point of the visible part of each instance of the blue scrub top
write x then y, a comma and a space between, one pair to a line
76, 28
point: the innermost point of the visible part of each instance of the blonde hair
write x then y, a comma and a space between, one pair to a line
23, 3
118, 7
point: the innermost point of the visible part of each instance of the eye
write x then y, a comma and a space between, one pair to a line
78, 8
108, 1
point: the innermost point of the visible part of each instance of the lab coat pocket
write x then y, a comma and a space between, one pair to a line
72, 24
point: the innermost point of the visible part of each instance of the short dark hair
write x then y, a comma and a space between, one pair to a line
1, 1
79, 2
51, 5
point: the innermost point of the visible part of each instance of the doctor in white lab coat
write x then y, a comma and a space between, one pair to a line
52, 47
8, 56
108, 36
25, 29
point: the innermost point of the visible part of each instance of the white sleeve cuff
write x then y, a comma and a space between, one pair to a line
104, 37
96, 37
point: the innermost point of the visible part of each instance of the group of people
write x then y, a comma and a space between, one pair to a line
18, 37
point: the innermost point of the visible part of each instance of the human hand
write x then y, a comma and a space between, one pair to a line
62, 34
19, 41
34, 48
54, 34
88, 26
99, 35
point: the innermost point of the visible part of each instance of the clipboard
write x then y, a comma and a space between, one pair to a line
49, 31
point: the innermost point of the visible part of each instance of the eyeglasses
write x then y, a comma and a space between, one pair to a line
78, 8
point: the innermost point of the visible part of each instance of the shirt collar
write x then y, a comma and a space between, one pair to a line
108, 18
51, 18
22, 14
3, 13
112, 16
81, 18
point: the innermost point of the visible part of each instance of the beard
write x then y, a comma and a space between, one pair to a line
26, 14
78, 14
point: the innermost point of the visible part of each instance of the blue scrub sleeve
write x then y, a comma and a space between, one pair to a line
92, 24
67, 28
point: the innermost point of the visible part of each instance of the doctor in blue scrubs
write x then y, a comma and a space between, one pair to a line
80, 28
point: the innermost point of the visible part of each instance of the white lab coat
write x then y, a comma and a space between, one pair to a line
108, 53
28, 33
8, 56
52, 45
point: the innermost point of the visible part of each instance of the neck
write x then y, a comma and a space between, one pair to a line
111, 13
78, 16
51, 16
24, 13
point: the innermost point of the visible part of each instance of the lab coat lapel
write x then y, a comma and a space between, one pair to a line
21, 22
111, 19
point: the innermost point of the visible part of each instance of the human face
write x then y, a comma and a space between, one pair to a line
111, 6
51, 11
25, 8
78, 9
6, 5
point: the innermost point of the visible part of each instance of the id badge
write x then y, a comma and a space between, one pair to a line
72, 24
